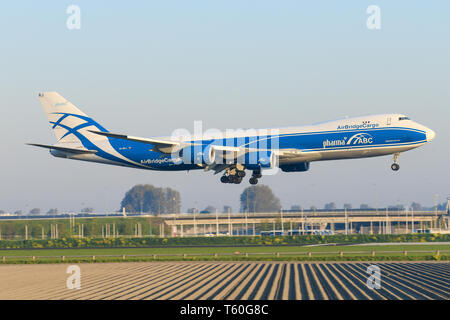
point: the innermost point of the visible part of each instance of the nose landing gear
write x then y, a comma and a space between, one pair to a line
395, 166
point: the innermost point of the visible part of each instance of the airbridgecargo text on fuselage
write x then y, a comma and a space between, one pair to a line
358, 126
160, 161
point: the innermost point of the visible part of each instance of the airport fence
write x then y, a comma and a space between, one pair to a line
374, 255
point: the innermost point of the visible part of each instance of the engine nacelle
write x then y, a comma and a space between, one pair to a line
198, 154
298, 167
259, 159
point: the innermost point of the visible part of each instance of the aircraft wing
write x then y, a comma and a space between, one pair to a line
228, 153
236, 152
294, 155
163, 146
289, 153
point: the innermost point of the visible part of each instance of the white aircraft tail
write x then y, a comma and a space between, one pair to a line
69, 123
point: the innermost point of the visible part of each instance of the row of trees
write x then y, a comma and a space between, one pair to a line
414, 206
145, 198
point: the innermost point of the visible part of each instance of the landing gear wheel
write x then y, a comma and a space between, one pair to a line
241, 174
224, 179
234, 179
253, 180
395, 165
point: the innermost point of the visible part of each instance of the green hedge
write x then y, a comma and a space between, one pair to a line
39, 260
217, 241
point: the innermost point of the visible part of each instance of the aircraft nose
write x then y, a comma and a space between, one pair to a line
430, 134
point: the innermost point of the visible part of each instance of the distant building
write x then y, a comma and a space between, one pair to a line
7, 214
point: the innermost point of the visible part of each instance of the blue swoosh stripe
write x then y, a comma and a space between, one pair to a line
59, 120
87, 119
86, 142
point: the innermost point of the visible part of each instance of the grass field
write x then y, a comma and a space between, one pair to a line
349, 252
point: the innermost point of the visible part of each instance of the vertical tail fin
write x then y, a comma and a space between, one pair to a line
69, 123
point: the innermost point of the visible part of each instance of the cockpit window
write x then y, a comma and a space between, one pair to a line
403, 118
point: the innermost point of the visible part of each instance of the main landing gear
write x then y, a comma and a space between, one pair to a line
395, 166
233, 175
236, 173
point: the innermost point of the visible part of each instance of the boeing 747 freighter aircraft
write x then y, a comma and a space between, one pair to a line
291, 149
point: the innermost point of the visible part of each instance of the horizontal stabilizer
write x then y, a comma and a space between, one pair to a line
65, 149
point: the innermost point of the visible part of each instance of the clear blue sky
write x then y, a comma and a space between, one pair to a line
146, 68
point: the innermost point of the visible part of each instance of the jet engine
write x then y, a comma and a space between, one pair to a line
298, 167
259, 159
198, 154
